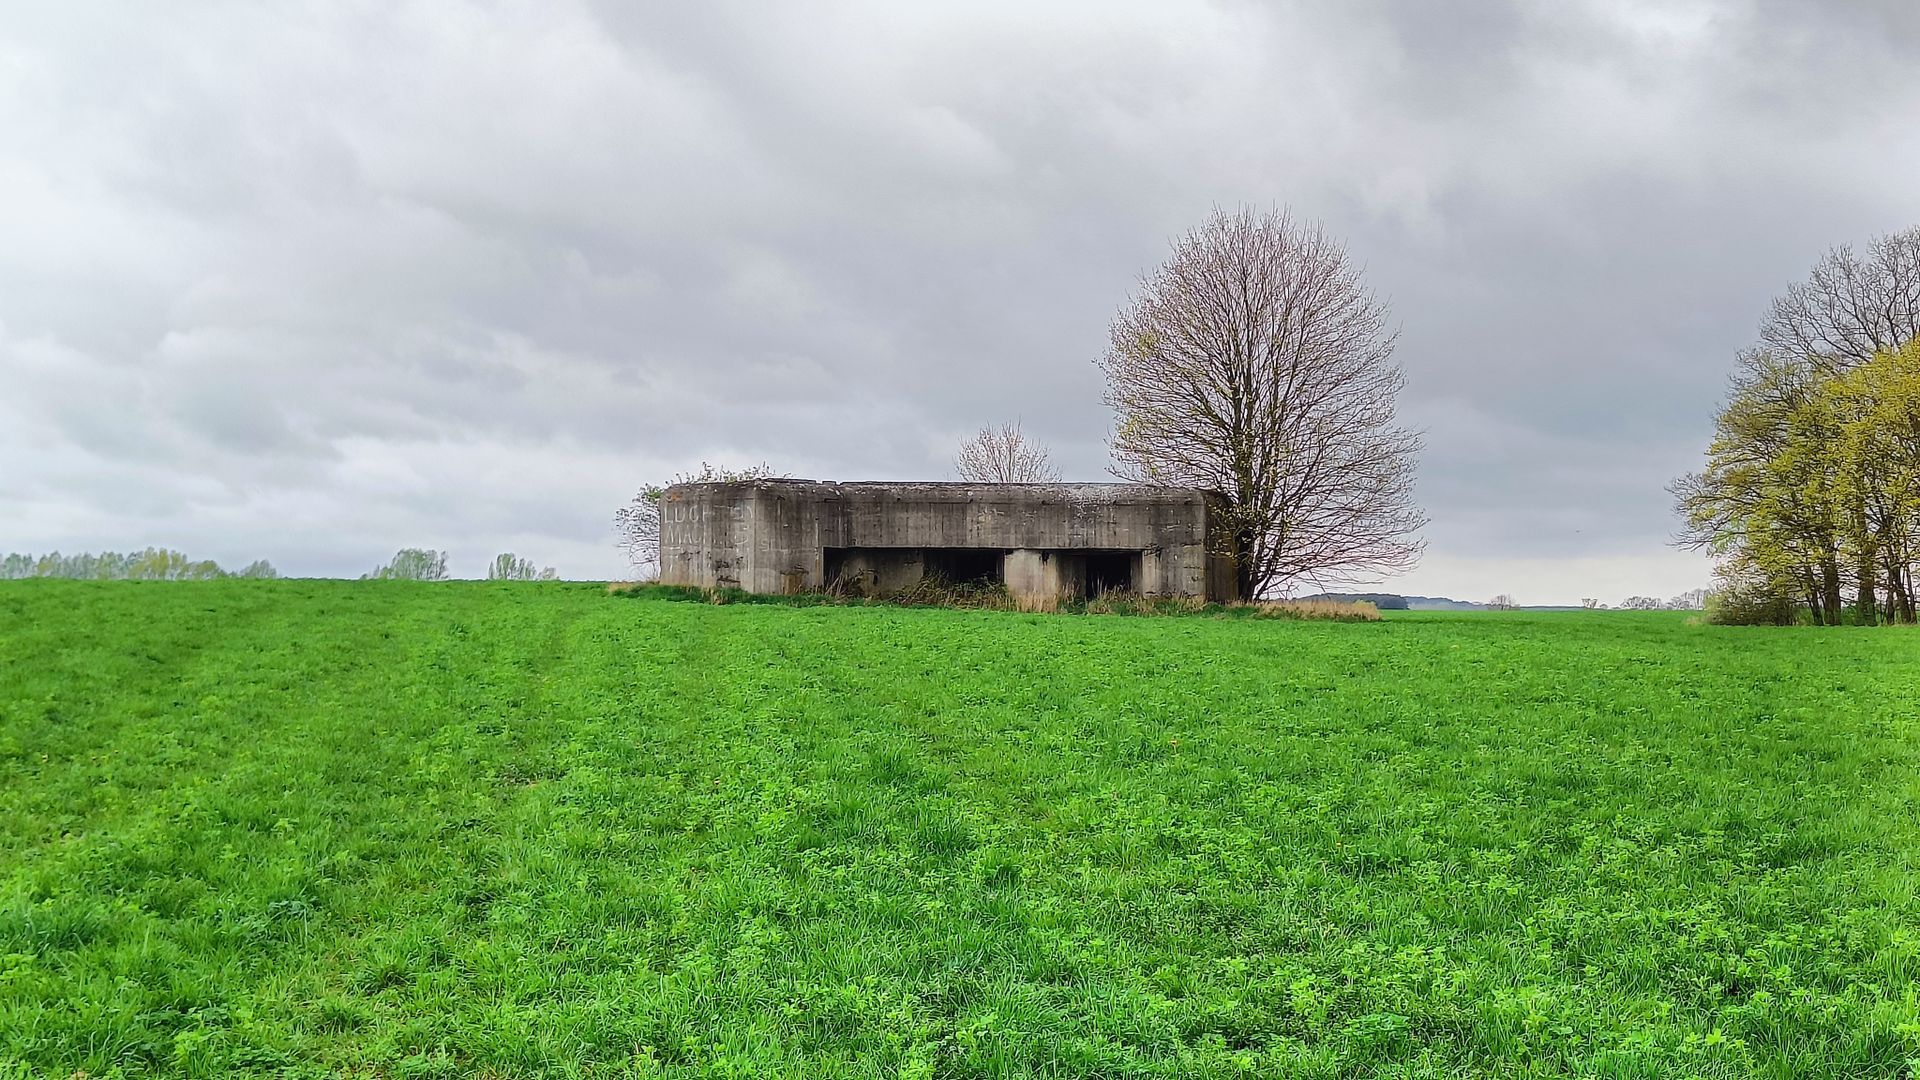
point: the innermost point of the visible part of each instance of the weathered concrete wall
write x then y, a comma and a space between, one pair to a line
772, 535
734, 536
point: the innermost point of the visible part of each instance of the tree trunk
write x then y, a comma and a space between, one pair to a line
1830, 588
1245, 541
1868, 603
1899, 587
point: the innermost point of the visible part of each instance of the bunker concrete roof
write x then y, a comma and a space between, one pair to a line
962, 490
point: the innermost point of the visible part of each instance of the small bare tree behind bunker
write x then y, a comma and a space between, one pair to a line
1003, 455
1256, 362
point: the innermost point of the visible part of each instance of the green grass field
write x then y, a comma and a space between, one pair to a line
389, 829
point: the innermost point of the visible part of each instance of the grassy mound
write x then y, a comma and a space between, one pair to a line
393, 829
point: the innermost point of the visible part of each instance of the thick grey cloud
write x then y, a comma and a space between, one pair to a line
317, 283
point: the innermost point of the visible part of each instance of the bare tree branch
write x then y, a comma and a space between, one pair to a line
1003, 455
1850, 307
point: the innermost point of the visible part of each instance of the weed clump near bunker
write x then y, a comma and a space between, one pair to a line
929, 593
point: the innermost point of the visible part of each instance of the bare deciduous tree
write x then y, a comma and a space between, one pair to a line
1691, 600
1257, 363
1003, 455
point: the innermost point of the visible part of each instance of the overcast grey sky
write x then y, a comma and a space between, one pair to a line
315, 282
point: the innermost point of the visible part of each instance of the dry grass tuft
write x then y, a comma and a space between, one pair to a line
1132, 603
1335, 610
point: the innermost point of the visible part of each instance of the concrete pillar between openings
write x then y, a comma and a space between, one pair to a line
1033, 578
1149, 578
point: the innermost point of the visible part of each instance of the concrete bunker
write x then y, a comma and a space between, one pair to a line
1043, 542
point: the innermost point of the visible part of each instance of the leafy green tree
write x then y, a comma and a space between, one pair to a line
414, 564
1768, 490
111, 566
1812, 478
158, 564
1852, 307
153, 564
1879, 451
510, 567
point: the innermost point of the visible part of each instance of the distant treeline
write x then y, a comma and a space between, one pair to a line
1383, 601
1692, 600
153, 564
163, 564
